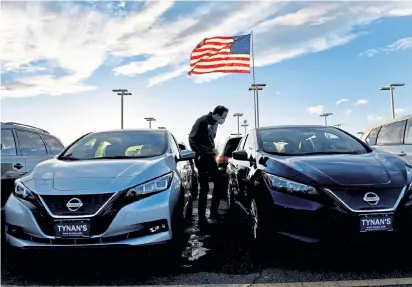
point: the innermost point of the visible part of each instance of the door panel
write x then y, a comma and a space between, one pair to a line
405, 150
32, 149
390, 136
12, 165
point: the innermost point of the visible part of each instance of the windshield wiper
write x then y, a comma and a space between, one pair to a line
114, 157
331, 152
69, 157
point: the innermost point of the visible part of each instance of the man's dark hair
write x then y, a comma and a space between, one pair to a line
220, 110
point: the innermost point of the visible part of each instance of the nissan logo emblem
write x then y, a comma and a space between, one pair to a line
74, 204
371, 198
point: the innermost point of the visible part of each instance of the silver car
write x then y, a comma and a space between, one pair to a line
393, 136
121, 187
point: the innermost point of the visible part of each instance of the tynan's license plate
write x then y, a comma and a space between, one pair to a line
376, 222
72, 228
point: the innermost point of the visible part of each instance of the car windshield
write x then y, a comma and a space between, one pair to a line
308, 140
118, 144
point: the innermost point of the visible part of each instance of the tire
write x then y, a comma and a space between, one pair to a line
178, 218
260, 229
189, 210
229, 197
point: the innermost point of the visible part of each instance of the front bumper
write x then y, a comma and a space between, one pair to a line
312, 221
143, 222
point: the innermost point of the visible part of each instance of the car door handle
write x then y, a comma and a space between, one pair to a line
402, 153
18, 165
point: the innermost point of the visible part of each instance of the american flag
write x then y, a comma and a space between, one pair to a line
221, 54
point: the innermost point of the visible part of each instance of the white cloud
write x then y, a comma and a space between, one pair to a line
277, 93
373, 118
341, 101
79, 39
315, 110
398, 45
361, 102
399, 111
348, 112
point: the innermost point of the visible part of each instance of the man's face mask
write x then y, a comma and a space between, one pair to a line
221, 120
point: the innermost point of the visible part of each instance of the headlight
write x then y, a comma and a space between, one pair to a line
288, 186
156, 185
21, 191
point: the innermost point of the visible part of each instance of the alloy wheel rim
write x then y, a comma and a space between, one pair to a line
253, 212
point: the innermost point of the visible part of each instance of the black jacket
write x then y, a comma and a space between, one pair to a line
202, 136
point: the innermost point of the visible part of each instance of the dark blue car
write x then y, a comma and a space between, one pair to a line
317, 183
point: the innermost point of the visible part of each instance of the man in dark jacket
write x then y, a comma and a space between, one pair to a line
202, 142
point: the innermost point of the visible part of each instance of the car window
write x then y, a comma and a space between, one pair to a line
230, 146
241, 143
307, 140
8, 145
123, 144
31, 143
408, 132
391, 134
371, 138
249, 145
54, 145
174, 146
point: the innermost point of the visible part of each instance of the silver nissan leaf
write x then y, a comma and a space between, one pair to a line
121, 187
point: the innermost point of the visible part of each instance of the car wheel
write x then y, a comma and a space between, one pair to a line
178, 218
189, 209
259, 228
230, 198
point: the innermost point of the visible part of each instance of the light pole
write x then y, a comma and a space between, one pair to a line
390, 88
121, 93
326, 115
238, 115
150, 120
255, 88
245, 125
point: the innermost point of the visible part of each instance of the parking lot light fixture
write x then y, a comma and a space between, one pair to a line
245, 125
390, 88
255, 88
326, 115
121, 93
238, 115
150, 120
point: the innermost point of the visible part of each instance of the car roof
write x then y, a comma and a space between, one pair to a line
131, 130
24, 127
293, 127
398, 119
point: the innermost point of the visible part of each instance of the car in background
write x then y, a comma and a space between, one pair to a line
22, 148
110, 188
316, 184
394, 136
224, 154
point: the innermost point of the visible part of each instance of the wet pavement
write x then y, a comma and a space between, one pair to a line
221, 254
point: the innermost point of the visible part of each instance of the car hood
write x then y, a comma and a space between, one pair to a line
103, 175
376, 168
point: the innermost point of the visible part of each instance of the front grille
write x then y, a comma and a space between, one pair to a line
140, 231
91, 203
353, 197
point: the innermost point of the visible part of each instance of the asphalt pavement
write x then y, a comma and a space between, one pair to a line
219, 255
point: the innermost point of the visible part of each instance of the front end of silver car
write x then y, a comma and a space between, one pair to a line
134, 216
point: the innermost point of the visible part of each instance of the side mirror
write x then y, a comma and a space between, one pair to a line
182, 146
186, 155
240, 155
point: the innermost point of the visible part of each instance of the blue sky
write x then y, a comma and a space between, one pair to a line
60, 61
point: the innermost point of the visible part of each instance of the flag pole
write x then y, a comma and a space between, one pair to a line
253, 80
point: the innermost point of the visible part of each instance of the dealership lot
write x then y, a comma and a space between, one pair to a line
216, 256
